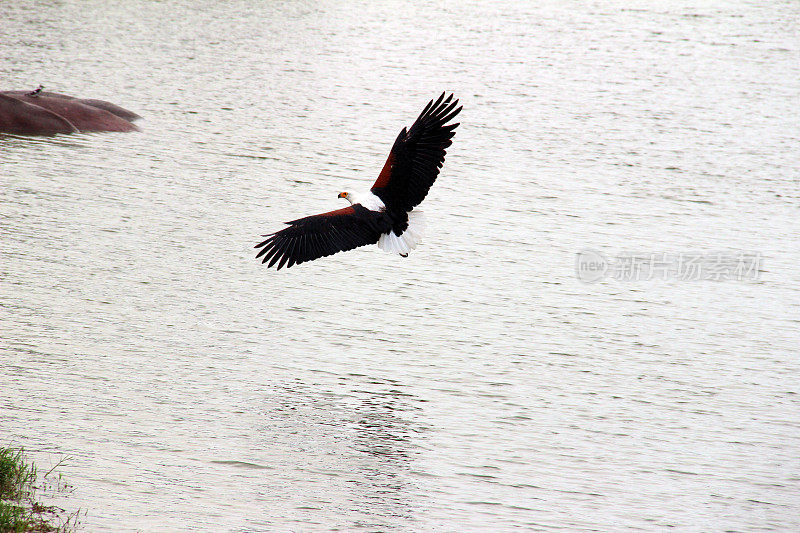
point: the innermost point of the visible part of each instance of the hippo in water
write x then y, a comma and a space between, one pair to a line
40, 112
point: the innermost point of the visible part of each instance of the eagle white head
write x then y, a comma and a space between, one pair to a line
368, 200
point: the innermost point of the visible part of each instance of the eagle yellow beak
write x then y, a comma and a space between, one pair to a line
342, 195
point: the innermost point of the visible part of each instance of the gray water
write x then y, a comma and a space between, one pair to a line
477, 385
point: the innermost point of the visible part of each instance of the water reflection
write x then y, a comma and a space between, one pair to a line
357, 438
387, 432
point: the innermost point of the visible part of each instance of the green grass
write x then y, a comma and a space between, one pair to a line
20, 512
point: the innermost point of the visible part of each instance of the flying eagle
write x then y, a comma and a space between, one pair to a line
384, 214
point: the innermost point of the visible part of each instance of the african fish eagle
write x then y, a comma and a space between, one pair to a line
384, 214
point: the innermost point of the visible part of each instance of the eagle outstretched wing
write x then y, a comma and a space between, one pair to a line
417, 155
320, 235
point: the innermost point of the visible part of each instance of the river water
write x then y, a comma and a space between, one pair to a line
480, 384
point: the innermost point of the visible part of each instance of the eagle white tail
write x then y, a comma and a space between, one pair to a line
410, 238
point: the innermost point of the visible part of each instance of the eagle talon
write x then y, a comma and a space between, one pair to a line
403, 255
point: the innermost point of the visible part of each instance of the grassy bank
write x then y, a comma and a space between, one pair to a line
20, 486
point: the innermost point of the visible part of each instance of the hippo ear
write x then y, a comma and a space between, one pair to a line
23, 118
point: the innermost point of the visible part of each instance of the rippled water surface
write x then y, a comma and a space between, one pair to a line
477, 385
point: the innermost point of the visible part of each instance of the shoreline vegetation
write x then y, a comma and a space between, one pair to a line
20, 488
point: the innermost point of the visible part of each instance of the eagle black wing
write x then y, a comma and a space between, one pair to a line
417, 155
321, 235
